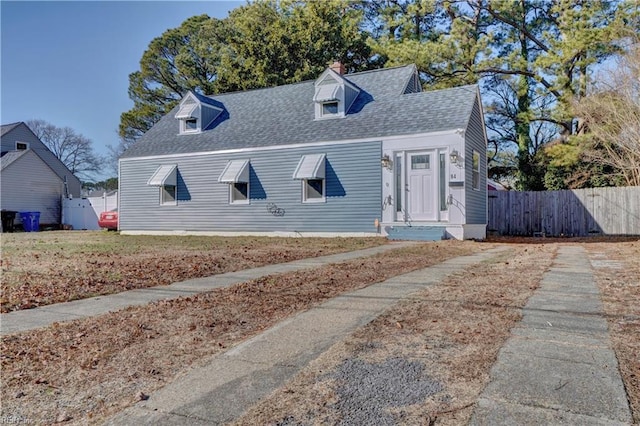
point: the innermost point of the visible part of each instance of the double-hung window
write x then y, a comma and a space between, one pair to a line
311, 172
166, 178
476, 170
236, 174
313, 190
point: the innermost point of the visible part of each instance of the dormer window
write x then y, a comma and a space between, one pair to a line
22, 146
191, 124
329, 108
334, 95
196, 113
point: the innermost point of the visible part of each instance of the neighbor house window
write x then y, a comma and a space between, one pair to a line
168, 194
313, 190
239, 193
22, 146
476, 170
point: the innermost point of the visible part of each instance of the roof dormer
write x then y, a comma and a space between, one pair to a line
196, 113
334, 94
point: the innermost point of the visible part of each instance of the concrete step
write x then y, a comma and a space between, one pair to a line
415, 233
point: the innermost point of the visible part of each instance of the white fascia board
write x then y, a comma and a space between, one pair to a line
290, 146
484, 127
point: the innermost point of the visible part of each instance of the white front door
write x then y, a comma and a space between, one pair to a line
421, 186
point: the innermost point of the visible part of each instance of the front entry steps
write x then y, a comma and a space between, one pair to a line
415, 233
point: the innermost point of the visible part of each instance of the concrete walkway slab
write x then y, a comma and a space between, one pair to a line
494, 412
231, 382
558, 367
44, 316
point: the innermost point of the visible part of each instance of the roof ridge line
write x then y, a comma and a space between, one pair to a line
346, 76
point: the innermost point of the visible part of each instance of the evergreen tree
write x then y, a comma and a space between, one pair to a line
533, 58
261, 44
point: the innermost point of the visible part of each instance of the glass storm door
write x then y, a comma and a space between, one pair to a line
421, 186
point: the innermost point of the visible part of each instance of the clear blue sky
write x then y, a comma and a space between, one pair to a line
68, 63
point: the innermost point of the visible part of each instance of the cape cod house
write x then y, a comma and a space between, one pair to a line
32, 177
367, 153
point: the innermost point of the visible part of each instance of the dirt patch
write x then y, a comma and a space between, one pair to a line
50, 267
617, 271
449, 336
87, 369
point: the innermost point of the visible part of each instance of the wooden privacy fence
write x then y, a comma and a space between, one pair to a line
578, 212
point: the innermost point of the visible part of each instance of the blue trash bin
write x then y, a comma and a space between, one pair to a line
30, 221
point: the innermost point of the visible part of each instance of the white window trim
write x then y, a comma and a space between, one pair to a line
24, 143
320, 115
306, 200
240, 202
183, 126
328, 114
175, 197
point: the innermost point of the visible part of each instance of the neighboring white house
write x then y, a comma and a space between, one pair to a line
367, 153
32, 178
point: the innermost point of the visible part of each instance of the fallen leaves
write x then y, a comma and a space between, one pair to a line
48, 272
454, 328
620, 290
98, 364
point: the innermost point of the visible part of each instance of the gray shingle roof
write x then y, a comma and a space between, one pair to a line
6, 128
284, 115
10, 157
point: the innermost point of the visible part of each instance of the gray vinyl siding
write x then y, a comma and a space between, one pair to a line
353, 189
350, 96
476, 200
413, 86
38, 190
208, 115
22, 133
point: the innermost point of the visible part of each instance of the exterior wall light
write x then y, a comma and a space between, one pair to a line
454, 156
386, 162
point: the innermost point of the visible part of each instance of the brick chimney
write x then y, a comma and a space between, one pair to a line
337, 67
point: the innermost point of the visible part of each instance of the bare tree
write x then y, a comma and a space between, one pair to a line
73, 149
610, 118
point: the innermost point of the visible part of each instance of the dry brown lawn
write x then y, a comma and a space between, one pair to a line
619, 282
454, 329
51, 267
83, 371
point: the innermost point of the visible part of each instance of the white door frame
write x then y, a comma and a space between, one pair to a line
421, 188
